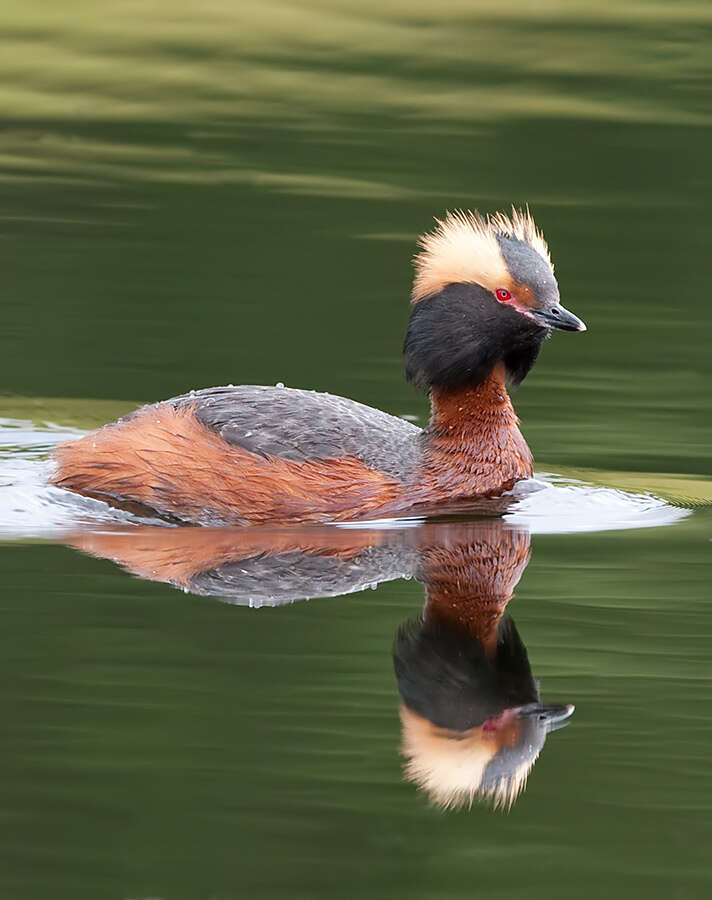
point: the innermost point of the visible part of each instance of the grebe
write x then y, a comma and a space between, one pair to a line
484, 298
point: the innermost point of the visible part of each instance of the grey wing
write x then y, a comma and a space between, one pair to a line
301, 425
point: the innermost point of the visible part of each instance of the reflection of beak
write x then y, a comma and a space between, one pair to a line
558, 317
550, 715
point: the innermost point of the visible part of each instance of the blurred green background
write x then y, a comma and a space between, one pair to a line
198, 194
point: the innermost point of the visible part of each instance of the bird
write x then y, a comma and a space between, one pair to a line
484, 299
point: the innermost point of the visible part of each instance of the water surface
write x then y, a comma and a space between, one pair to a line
232, 194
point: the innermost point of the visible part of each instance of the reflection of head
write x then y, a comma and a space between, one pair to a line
445, 676
472, 724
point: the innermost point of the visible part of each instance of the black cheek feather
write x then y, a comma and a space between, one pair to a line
442, 347
455, 339
519, 360
444, 675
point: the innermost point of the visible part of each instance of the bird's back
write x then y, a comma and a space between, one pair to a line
301, 425
247, 454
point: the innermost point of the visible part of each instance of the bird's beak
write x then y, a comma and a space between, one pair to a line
558, 317
551, 715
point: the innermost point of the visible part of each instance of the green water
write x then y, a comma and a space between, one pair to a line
196, 196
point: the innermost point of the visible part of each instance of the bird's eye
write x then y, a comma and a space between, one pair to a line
503, 295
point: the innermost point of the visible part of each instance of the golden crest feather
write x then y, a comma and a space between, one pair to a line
463, 247
451, 770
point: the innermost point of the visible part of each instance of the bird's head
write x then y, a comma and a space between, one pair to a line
484, 293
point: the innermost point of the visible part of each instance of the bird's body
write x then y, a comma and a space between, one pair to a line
251, 455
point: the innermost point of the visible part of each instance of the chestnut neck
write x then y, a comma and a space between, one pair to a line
460, 409
469, 584
474, 614
473, 446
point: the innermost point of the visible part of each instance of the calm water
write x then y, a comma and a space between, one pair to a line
232, 194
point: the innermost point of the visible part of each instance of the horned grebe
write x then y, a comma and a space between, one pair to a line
484, 298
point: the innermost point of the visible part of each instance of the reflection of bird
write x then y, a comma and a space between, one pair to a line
263, 566
472, 722
471, 718
484, 299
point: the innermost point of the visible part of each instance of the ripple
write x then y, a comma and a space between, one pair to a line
29, 506
564, 507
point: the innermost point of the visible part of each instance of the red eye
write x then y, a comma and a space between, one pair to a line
503, 295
